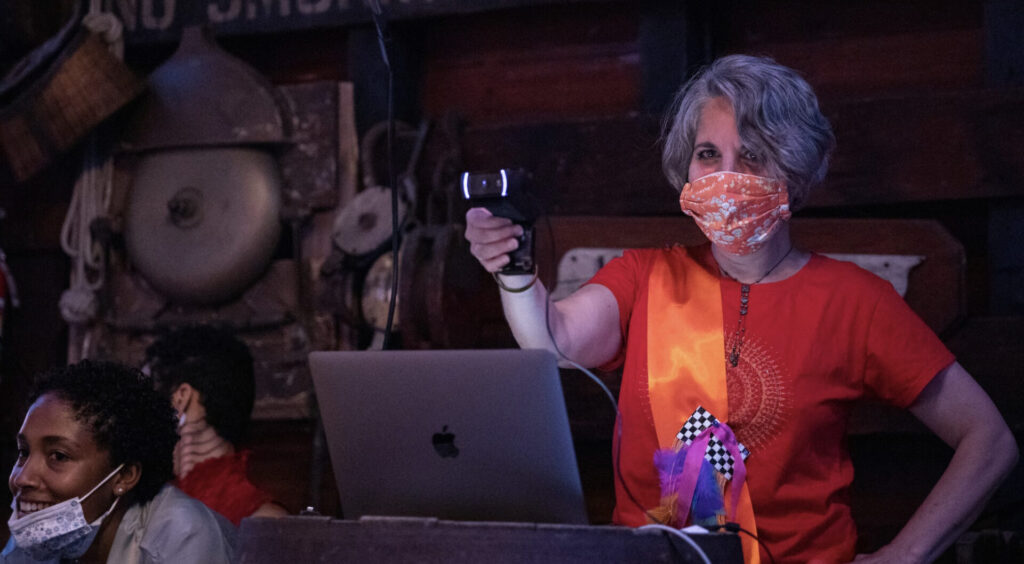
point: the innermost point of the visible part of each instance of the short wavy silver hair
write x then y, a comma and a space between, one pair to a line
777, 117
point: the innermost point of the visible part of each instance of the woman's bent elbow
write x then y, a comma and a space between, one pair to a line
1007, 444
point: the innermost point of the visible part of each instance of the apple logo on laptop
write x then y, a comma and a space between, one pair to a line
444, 443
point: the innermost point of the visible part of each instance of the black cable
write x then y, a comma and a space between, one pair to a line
380, 23
617, 440
384, 40
736, 528
395, 232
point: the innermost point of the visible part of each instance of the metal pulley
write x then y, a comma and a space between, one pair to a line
445, 299
203, 223
203, 217
376, 297
363, 226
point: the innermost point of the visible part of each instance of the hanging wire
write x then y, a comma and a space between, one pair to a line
384, 40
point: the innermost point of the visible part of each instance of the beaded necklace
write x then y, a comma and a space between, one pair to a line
741, 328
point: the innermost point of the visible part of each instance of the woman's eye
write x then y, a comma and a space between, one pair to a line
751, 157
58, 456
706, 154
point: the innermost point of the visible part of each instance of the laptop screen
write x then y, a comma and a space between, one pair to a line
478, 435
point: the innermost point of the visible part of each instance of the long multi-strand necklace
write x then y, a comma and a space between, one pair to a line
741, 327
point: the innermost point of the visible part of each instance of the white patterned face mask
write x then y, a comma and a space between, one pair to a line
58, 531
738, 212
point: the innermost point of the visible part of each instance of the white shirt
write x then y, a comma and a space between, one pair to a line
171, 528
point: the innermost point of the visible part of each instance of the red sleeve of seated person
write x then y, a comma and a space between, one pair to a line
222, 484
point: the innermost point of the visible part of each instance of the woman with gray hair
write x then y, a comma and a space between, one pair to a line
742, 357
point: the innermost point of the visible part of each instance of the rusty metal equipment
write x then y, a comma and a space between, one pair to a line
203, 217
203, 96
203, 223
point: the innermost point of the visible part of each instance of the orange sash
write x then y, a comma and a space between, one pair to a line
686, 358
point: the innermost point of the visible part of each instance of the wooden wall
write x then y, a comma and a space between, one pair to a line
925, 96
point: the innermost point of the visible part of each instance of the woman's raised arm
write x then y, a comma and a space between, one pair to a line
585, 325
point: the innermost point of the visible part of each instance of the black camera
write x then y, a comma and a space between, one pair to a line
505, 194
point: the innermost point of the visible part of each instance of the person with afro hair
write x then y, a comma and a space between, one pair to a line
208, 374
90, 481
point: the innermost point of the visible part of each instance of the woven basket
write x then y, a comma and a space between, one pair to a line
82, 87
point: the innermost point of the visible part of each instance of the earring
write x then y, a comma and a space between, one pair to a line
119, 490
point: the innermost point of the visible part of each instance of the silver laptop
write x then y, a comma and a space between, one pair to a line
476, 435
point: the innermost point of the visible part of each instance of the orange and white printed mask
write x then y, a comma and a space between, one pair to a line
738, 212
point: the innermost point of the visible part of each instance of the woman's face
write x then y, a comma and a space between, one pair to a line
58, 459
717, 146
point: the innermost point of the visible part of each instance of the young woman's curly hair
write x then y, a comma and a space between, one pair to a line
126, 415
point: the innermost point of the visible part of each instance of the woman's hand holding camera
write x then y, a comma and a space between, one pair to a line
491, 238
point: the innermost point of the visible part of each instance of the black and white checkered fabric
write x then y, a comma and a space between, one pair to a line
716, 453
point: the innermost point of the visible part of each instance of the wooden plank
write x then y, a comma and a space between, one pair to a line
937, 147
309, 164
865, 48
532, 65
397, 540
848, 68
945, 146
291, 57
556, 83
750, 25
471, 36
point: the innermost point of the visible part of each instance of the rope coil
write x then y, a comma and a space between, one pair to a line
89, 201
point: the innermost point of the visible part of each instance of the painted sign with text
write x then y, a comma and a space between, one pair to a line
147, 21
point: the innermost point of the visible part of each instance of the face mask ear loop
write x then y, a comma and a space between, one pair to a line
103, 481
99, 520
183, 412
787, 212
112, 505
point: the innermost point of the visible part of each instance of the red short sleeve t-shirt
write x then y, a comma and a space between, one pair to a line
814, 343
223, 485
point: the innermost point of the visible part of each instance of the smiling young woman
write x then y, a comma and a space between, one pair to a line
89, 483
59, 464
